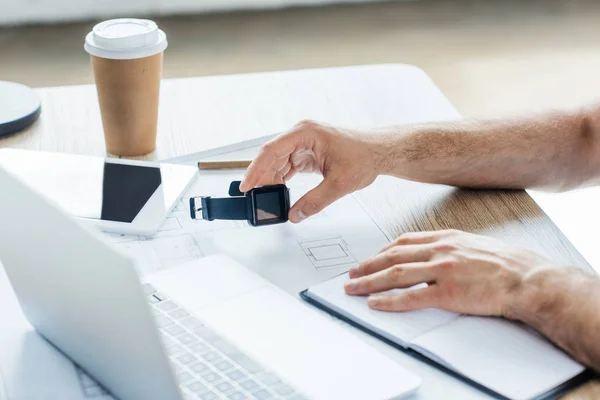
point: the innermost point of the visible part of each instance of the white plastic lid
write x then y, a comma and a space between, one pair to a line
125, 39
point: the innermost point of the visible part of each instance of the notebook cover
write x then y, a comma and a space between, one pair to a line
550, 395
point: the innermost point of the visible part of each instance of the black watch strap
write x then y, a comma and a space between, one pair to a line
234, 189
232, 208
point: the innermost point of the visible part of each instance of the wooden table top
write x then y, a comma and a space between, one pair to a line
201, 113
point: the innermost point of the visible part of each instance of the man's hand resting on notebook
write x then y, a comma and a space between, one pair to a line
477, 275
465, 273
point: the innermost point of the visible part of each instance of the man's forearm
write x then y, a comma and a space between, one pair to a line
555, 151
563, 305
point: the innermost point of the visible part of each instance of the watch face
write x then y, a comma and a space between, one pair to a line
270, 205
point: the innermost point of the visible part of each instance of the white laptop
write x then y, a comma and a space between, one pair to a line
210, 329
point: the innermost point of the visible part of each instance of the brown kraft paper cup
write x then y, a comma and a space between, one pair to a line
128, 92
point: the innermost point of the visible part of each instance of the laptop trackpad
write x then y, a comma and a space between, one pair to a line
306, 348
206, 282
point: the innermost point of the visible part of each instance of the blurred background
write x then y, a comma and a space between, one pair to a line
488, 56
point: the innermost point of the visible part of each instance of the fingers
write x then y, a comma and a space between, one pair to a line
285, 170
395, 255
415, 238
275, 175
315, 200
407, 301
275, 150
290, 174
398, 276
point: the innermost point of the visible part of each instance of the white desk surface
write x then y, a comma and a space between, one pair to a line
202, 113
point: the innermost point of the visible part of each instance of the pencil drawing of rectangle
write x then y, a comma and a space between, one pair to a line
328, 252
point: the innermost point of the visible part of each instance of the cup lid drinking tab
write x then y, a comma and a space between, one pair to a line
125, 39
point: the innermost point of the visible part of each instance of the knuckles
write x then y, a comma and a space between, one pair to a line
402, 240
451, 232
448, 234
445, 246
396, 273
447, 264
307, 125
268, 147
363, 285
394, 253
410, 299
310, 207
363, 268
391, 256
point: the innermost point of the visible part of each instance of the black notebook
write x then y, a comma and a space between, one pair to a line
505, 358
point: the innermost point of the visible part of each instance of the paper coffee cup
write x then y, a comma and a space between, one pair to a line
126, 57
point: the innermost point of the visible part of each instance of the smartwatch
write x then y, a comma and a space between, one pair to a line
266, 205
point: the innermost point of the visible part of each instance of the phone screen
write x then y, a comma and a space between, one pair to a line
125, 191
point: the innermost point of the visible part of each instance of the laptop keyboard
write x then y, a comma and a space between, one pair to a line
205, 364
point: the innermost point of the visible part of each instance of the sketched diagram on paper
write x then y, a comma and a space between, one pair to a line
161, 251
328, 252
175, 243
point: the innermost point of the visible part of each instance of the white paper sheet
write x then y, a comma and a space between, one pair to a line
292, 257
